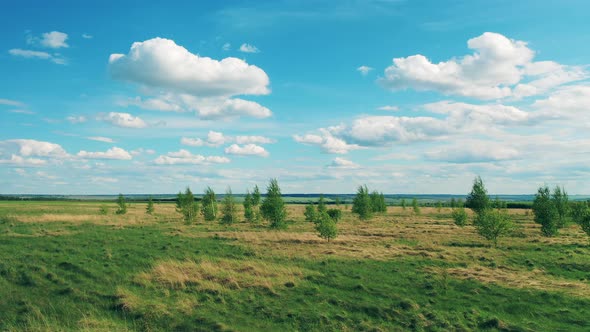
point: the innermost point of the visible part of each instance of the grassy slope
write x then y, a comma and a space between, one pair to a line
397, 272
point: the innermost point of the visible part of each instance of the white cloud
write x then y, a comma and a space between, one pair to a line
254, 139
161, 63
101, 139
215, 138
343, 163
247, 150
327, 142
154, 104
29, 147
11, 102
45, 175
103, 179
191, 141
185, 157
87, 36
74, 119
20, 161
247, 48
472, 151
19, 111
29, 54
226, 47
113, 153
388, 108
237, 107
124, 120
497, 64
54, 39
569, 101
364, 70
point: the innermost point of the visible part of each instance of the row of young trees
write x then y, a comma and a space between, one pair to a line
272, 208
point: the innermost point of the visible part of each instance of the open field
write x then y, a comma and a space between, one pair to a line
63, 266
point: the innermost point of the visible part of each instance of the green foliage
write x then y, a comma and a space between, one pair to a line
321, 204
337, 201
560, 200
460, 203
403, 203
361, 204
492, 224
310, 213
378, 202
335, 214
228, 208
545, 212
209, 205
478, 199
460, 216
248, 208
122, 205
453, 203
256, 196
438, 206
187, 206
103, 210
326, 227
415, 206
150, 206
273, 207
580, 212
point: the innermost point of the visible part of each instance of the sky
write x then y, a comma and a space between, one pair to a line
412, 97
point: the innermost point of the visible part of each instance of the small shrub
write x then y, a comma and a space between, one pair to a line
150, 206
361, 204
273, 207
546, 212
326, 227
415, 206
310, 213
460, 216
335, 214
122, 205
103, 210
492, 224
228, 208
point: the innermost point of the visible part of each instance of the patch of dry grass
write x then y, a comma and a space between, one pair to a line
219, 275
517, 278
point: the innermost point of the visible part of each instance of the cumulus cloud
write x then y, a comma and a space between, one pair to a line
247, 48
570, 101
496, 66
364, 70
29, 147
247, 150
114, 153
343, 163
161, 63
191, 141
124, 120
326, 141
54, 39
185, 157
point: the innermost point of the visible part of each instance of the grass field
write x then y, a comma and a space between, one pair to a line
65, 267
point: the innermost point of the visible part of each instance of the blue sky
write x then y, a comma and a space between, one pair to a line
404, 96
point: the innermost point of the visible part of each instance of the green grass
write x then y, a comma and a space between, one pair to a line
74, 276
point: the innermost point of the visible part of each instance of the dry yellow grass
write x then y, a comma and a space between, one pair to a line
219, 275
517, 278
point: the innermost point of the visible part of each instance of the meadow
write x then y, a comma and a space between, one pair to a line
66, 267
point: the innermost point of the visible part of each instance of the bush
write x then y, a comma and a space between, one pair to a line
248, 208
103, 210
415, 206
492, 224
326, 227
310, 213
150, 206
335, 214
459, 216
122, 205
545, 212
